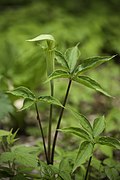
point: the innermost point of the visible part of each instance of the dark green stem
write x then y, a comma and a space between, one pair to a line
59, 121
41, 129
88, 167
50, 122
50, 54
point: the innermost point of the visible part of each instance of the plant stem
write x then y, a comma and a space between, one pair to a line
50, 122
41, 129
50, 55
59, 121
88, 167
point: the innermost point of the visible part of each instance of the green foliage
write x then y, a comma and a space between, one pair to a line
16, 157
86, 148
91, 63
50, 100
5, 106
30, 98
60, 58
77, 131
83, 121
27, 103
19, 177
71, 56
11, 137
110, 141
22, 92
69, 61
112, 173
91, 83
58, 74
4, 133
65, 168
85, 152
98, 126
71, 21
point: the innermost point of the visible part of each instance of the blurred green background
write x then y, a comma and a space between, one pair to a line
95, 24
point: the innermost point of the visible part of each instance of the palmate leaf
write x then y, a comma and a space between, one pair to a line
84, 153
92, 62
50, 100
98, 126
61, 59
71, 56
109, 141
83, 120
22, 92
76, 131
91, 83
58, 74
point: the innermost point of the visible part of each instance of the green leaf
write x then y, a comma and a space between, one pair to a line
22, 92
71, 56
50, 100
83, 120
7, 156
76, 131
19, 177
92, 62
85, 151
112, 173
5, 105
26, 104
48, 171
91, 83
109, 141
25, 149
20, 156
23, 169
65, 175
4, 133
61, 59
98, 126
66, 164
58, 74
11, 137
110, 162
97, 164
28, 160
